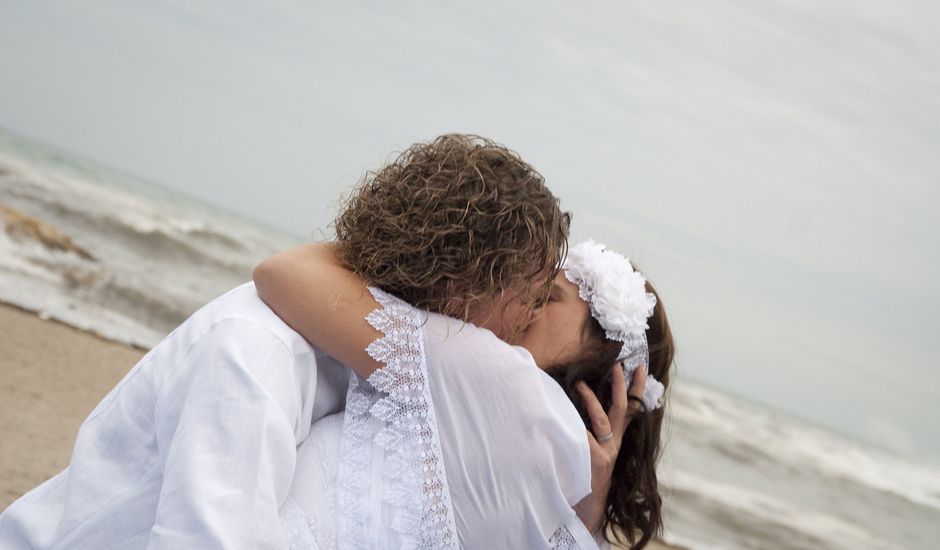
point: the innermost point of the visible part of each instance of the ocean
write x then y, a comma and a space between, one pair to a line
141, 258
157, 256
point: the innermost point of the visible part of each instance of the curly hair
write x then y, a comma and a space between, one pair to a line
634, 507
452, 224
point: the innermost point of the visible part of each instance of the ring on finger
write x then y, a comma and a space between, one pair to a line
603, 438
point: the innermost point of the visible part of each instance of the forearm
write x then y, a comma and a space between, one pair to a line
310, 289
591, 509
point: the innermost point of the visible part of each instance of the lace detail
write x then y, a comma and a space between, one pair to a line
562, 539
327, 445
308, 515
298, 532
392, 409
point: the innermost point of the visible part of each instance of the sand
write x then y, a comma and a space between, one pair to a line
51, 377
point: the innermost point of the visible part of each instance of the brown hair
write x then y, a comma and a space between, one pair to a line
634, 507
451, 224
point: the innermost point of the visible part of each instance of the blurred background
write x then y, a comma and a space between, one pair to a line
773, 166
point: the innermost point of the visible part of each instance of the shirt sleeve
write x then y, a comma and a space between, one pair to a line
515, 449
226, 441
570, 441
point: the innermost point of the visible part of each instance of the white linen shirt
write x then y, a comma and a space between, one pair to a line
515, 448
195, 447
458, 440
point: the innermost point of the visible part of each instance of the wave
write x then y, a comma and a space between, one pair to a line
107, 258
90, 208
750, 434
726, 513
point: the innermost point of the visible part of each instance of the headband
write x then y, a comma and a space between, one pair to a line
617, 296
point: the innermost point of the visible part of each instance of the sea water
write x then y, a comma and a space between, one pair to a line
734, 475
157, 256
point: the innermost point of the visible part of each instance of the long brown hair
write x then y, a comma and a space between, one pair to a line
633, 512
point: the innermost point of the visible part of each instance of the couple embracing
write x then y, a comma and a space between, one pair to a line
425, 381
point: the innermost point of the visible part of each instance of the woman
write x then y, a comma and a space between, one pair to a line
596, 315
591, 276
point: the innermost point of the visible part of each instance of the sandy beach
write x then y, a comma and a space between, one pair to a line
51, 376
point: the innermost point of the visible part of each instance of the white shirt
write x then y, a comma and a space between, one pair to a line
195, 447
458, 440
515, 449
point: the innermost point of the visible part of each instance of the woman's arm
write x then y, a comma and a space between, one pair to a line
604, 451
310, 289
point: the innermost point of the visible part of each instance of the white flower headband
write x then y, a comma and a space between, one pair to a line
618, 299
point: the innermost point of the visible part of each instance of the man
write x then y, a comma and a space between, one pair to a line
196, 446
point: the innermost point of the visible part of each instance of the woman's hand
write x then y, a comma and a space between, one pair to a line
608, 430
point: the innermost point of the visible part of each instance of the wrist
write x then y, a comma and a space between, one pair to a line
591, 513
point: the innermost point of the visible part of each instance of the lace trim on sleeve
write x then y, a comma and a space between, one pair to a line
297, 527
562, 539
575, 536
392, 409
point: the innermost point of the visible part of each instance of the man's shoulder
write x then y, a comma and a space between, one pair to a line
241, 309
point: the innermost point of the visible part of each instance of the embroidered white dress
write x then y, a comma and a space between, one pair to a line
458, 441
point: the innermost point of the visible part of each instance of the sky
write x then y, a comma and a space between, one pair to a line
771, 165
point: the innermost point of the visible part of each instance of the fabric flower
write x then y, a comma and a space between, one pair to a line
617, 296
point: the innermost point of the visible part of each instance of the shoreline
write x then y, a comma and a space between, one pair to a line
53, 375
